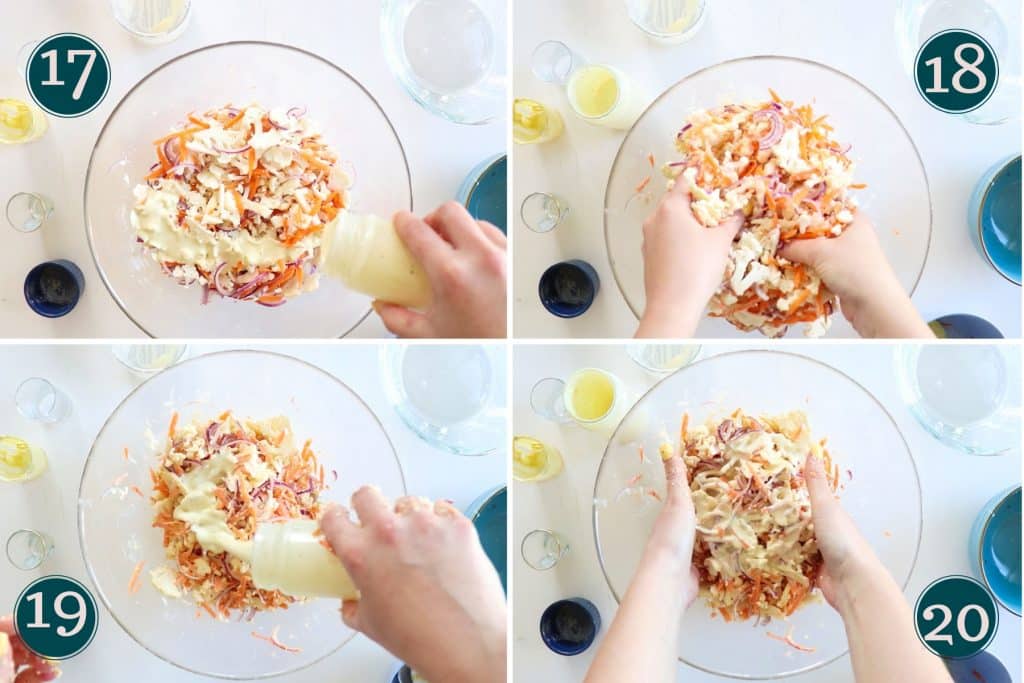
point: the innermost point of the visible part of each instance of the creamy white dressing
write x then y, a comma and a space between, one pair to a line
198, 508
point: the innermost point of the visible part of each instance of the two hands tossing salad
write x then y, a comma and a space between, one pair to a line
778, 165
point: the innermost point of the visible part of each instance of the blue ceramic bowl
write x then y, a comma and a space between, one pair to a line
996, 548
964, 326
484, 192
567, 289
489, 513
995, 218
569, 627
52, 289
981, 667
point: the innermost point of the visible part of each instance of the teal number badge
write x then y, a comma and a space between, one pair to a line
956, 617
68, 75
956, 71
56, 617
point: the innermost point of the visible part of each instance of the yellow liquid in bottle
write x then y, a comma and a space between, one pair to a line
533, 122
20, 122
595, 91
533, 460
20, 461
592, 394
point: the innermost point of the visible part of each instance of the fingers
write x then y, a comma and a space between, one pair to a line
371, 506
409, 504
453, 221
350, 614
338, 527
675, 478
425, 244
680, 188
404, 322
730, 227
492, 233
825, 509
445, 508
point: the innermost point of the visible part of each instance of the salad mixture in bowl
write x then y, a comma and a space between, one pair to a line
178, 478
755, 551
779, 165
756, 546
238, 201
216, 479
792, 173
216, 178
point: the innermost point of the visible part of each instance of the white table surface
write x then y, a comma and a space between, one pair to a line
856, 38
96, 383
954, 488
440, 153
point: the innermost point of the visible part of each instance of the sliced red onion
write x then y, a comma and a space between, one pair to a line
234, 442
819, 190
171, 151
247, 289
222, 289
684, 129
240, 150
776, 106
776, 131
211, 431
205, 296
154, 167
275, 124
677, 164
180, 169
296, 112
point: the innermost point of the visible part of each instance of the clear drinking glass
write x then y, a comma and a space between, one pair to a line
149, 358
28, 211
153, 21
667, 21
542, 549
547, 398
39, 400
27, 549
662, 359
965, 395
542, 212
997, 21
553, 62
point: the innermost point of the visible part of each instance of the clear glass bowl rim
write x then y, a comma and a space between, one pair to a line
88, 461
184, 55
841, 74
763, 352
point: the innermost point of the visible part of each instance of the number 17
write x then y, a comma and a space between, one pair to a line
51, 57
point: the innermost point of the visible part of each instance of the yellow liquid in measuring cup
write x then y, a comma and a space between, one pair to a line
20, 122
534, 460
591, 395
534, 122
594, 91
19, 460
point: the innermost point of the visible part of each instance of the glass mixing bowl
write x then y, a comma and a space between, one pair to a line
272, 75
883, 496
897, 197
114, 523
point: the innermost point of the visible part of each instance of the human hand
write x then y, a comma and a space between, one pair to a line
683, 265
675, 530
854, 267
464, 260
16, 657
848, 557
428, 593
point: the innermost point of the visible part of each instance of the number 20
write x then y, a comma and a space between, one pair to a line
51, 57
933, 611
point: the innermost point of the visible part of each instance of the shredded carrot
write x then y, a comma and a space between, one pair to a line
125, 453
232, 121
273, 640
788, 640
171, 427
137, 491
133, 583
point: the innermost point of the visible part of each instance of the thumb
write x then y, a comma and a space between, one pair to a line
810, 252
818, 487
404, 322
727, 230
677, 486
350, 614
